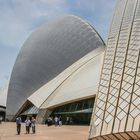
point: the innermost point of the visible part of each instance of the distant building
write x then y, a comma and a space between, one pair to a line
3, 98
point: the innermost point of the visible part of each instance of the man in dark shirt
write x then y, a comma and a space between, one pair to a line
18, 122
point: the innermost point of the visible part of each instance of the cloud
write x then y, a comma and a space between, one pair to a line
20, 18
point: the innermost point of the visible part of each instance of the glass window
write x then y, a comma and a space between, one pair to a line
80, 105
92, 103
86, 104
73, 107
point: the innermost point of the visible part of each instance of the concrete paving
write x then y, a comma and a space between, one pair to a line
43, 132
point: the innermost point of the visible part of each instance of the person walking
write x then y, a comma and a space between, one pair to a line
33, 123
56, 121
27, 124
67, 120
49, 121
60, 121
18, 123
1, 118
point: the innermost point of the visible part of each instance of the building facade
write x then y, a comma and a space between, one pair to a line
116, 114
54, 57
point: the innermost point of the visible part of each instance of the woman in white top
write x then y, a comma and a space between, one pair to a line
27, 124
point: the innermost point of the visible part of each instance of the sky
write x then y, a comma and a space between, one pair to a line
19, 18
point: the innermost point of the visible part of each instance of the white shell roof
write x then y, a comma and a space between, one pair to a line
49, 51
80, 80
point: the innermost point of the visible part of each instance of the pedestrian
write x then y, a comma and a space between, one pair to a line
67, 120
18, 123
56, 121
27, 124
1, 118
60, 120
49, 121
33, 124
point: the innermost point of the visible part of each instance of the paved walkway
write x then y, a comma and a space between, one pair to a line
8, 132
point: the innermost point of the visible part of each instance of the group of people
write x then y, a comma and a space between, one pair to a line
69, 120
57, 121
29, 123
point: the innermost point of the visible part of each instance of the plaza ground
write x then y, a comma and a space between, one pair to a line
66, 132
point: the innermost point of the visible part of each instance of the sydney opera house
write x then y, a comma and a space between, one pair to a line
57, 72
65, 69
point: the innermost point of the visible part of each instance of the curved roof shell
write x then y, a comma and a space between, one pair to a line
81, 84
79, 81
47, 52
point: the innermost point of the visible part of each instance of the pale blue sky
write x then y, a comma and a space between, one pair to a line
18, 18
